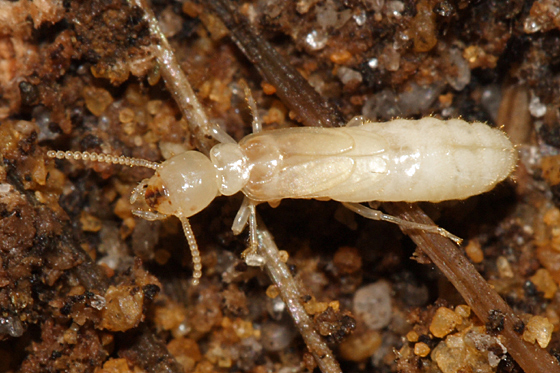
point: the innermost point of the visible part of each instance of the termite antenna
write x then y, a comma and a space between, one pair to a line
103, 158
193, 246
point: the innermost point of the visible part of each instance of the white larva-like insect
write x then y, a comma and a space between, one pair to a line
402, 160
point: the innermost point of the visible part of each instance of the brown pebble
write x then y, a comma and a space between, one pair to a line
186, 351
272, 291
359, 347
421, 349
444, 321
474, 251
97, 99
124, 308
539, 330
347, 259
545, 283
340, 57
463, 310
412, 336
89, 222
268, 89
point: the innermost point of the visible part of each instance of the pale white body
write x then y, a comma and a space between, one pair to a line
402, 160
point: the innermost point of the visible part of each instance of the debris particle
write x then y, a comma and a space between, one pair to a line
463, 310
186, 351
504, 268
373, 63
349, 76
372, 305
470, 350
98, 302
272, 291
474, 251
283, 256
495, 323
347, 259
316, 40
126, 115
544, 283
340, 57
89, 222
268, 89
536, 107
421, 349
313, 307
97, 99
123, 308
539, 330
360, 346
412, 336
115, 366
444, 321
276, 336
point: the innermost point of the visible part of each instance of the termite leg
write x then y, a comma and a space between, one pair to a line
248, 214
372, 214
253, 244
251, 254
242, 217
193, 246
257, 124
220, 135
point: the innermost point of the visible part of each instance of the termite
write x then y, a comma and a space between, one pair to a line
429, 160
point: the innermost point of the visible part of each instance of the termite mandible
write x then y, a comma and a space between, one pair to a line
429, 160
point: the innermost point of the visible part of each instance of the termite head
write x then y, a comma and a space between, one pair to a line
183, 185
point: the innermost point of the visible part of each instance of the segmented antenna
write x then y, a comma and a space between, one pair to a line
197, 261
103, 158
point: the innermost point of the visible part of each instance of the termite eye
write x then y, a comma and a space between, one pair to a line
155, 195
